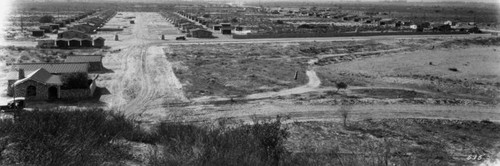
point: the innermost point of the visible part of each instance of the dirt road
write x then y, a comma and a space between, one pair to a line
142, 78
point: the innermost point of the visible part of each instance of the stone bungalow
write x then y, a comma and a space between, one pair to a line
45, 83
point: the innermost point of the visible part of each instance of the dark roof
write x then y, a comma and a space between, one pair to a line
199, 29
100, 38
84, 58
54, 68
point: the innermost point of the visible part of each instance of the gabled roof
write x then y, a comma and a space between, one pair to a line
200, 29
100, 38
54, 68
41, 76
84, 58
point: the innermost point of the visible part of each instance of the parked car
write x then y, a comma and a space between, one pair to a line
180, 38
14, 105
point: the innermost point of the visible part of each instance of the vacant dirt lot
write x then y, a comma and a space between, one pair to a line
243, 69
476, 76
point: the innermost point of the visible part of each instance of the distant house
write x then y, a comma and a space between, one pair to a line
72, 38
54, 26
99, 42
217, 27
96, 22
94, 61
226, 28
46, 28
201, 33
73, 34
85, 28
37, 33
46, 43
387, 21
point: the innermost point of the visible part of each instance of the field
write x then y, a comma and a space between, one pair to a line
209, 69
409, 100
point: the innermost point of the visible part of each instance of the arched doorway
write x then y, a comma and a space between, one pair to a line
53, 94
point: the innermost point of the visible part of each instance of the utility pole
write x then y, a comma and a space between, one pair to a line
22, 21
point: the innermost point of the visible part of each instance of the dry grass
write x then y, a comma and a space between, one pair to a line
240, 69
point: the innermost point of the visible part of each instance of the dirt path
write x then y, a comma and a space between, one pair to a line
144, 80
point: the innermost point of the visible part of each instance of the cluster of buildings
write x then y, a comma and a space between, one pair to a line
78, 36
50, 81
45, 81
54, 27
188, 25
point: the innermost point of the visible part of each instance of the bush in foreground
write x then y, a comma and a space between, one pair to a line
257, 144
62, 137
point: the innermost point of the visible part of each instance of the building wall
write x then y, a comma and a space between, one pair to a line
99, 43
10, 90
95, 66
202, 34
42, 91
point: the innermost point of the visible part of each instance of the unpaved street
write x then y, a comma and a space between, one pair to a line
142, 78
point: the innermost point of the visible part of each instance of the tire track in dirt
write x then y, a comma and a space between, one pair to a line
146, 79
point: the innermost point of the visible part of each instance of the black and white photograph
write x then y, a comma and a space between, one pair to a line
250, 82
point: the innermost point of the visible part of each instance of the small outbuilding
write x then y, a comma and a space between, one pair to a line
47, 43
201, 33
99, 42
37, 33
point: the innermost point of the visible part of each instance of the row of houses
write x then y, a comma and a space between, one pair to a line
72, 39
45, 81
93, 24
54, 27
187, 26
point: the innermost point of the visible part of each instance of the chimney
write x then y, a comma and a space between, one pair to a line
21, 73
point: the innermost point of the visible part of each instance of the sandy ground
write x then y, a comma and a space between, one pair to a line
142, 79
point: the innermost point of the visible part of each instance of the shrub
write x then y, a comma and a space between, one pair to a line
63, 137
258, 144
341, 85
75, 81
47, 19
